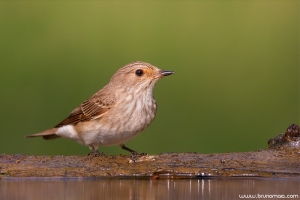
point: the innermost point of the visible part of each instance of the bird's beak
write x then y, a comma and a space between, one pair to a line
166, 73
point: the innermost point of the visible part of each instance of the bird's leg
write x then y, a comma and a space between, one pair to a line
128, 149
95, 151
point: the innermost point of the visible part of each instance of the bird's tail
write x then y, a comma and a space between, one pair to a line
47, 134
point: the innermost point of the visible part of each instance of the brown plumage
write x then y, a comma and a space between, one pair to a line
116, 113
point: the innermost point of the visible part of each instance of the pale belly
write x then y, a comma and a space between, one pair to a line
107, 131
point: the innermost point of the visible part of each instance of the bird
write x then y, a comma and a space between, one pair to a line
115, 114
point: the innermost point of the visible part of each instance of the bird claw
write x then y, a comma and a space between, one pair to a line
134, 153
143, 154
99, 154
96, 154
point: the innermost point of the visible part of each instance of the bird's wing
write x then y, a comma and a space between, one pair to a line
92, 108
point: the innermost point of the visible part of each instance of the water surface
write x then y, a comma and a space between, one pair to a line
126, 188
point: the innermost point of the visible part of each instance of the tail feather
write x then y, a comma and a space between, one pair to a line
47, 134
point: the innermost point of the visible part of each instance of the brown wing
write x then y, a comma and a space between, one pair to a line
90, 109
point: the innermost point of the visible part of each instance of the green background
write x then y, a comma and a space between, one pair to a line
236, 63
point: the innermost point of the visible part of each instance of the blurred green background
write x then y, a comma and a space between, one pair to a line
236, 64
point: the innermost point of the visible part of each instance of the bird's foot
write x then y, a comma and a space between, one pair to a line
133, 152
96, 153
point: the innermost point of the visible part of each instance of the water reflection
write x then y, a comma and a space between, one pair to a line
29, 188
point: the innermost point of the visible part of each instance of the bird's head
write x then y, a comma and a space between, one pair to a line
138, 76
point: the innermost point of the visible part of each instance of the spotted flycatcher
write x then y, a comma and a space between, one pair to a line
115, 114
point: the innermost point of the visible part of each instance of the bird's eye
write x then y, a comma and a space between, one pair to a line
139, 72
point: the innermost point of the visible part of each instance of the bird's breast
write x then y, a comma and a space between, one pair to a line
121, 123
137, 113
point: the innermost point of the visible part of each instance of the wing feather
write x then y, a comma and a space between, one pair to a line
92, 108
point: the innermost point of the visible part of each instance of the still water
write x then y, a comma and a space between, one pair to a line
126, 188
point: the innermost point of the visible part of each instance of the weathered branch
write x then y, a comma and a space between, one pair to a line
266, 163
